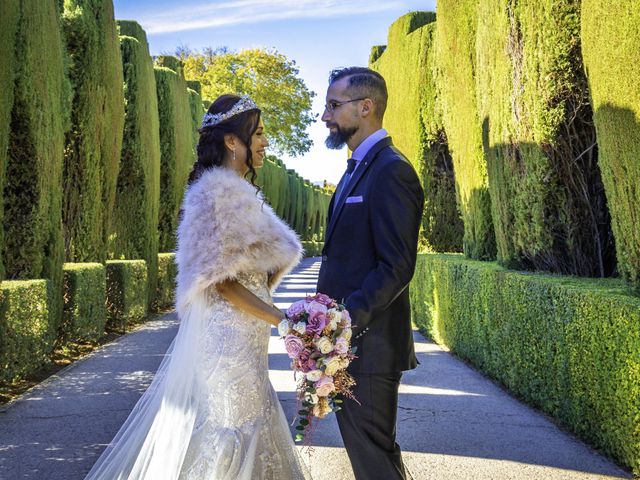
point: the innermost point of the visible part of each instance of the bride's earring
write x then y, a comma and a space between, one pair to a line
234, 155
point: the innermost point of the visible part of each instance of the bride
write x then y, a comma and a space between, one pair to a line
211, 412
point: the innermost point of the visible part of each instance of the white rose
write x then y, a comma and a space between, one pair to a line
314, 375
324, 345
312, 398
346, 334
332, 366
283, 327
300, 327
334, 318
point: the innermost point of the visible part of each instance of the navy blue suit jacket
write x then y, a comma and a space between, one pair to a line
369, 257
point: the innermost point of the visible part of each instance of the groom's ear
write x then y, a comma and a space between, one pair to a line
367, 107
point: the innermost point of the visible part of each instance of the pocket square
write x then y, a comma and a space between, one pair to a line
357, 199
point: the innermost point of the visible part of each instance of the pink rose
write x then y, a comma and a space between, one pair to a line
316, 323
346, 318
293, 345
296, 308
308, 365
342, 346
325, 300
325, 386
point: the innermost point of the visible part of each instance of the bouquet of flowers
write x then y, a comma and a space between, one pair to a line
317, 337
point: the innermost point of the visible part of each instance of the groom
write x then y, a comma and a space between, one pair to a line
368, 260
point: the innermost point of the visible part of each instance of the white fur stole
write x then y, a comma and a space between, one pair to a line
226, 230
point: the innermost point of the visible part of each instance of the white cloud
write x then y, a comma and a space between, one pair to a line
236, 12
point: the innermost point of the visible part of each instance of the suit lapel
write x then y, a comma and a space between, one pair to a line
334, 213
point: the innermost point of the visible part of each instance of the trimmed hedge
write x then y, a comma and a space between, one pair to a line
549, 208
26, 336
9, 16
312, 249
85, 294
177, 146
93, 144
569, 346
134, 232
197, 111
376, 53
455, 44
131, 28
167, 273
611, 50
413, 118
301, 204
126, 292
196, 86
33, 243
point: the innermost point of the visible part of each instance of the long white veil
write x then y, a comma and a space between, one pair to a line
153, 441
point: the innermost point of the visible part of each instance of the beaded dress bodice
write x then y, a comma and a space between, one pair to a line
240, 430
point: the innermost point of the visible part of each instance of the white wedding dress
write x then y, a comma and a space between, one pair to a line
211, 412
240, 430
231, 426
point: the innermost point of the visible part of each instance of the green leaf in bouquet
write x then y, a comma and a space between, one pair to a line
337, 400
337, 409
300, 428
311, 390
303, 413
299, 437
304, 422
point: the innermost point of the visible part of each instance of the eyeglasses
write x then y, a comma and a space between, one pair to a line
333, 104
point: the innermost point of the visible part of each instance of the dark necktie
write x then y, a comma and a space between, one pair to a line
351, 165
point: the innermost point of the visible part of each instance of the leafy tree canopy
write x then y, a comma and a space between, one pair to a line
270, 78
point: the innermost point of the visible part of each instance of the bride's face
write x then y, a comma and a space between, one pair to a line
259, 143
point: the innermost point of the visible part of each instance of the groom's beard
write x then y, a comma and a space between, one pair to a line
338, 139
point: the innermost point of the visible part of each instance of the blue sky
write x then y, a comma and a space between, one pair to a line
318, 34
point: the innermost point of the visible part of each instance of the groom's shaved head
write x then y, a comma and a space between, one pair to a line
364, 82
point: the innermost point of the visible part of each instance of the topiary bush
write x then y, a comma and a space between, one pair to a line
177, 148
167, 273
567, 345
94, 142
9, 16
85, 295
126, 292
312, 249
549, 208
26, 333
32, 195
455, 61
134, 232
413, 118
610, 34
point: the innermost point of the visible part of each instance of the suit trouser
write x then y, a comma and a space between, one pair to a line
369, 430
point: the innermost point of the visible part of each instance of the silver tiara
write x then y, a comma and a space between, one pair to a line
242, 105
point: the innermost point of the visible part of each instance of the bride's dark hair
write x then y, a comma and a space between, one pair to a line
211, 148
